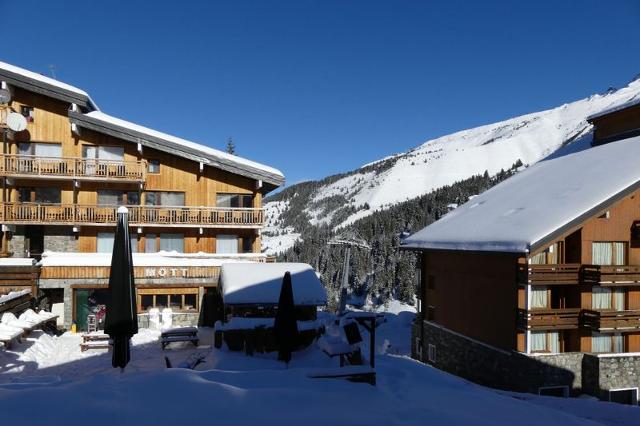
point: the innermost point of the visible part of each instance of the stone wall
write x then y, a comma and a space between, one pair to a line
490, 366
17, 245
62, 239
613, 372
56, 238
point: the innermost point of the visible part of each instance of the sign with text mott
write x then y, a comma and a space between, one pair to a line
166, 272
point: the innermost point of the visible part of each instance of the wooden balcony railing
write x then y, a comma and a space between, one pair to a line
558, 274
611, 320
617, 275
550, 274
103, 215
31, 166
548, 319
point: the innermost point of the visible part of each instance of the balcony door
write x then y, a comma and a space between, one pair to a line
97, 153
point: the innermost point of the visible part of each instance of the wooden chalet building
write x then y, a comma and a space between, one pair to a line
534, 285
191, 207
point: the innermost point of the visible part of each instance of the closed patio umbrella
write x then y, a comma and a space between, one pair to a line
285, 326
121, 319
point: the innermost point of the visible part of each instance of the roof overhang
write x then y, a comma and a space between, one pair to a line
270, 181
41, 87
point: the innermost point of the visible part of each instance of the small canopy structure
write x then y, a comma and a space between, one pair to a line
260, 284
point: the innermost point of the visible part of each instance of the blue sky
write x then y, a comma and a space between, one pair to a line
320, 87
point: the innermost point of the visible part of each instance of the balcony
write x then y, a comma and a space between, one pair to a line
617, 275
559, 274
35, 167
105, 215
548, 319
611, 320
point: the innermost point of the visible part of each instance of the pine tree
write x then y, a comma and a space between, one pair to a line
231, 146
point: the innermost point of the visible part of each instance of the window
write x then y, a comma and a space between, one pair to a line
234, 200
548, 256
113, 153
543, 341
39, 195
247, 244
172, 242
154, 166
156, 198
150, 245
178, 299
110, 197
27, 112
605, 343
601, 298
227, 244
608, 253
431, 353
40, 149
105, 242
539, 296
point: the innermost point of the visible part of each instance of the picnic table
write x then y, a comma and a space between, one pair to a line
180, 334
95, 341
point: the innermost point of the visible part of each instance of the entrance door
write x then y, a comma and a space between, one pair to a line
34, 240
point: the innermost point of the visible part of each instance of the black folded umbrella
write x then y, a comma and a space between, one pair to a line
121, 321
285, 326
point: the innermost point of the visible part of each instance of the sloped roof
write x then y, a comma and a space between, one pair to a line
538, 204
38, 83
260, 283
122, 129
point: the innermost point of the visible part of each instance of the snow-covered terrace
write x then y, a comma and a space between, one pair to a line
538, 204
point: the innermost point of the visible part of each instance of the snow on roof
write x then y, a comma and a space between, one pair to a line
205, 150
162, 258
13, 295
260, 283
631, 102
41, 78
529, 207
17, 261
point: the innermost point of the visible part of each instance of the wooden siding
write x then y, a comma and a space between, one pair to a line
474, 294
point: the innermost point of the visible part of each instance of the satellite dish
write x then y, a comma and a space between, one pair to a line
5, 96
16, 122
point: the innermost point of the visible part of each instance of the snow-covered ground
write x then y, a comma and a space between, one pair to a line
48, 381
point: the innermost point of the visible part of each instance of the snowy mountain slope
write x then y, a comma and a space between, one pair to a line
341, 200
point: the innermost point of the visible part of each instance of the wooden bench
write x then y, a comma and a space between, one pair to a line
95, 341
182, 334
